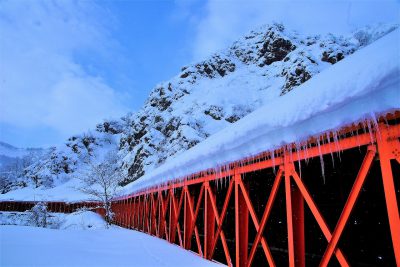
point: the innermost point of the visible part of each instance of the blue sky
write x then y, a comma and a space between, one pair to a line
66, 65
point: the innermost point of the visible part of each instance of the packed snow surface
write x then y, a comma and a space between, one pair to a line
361, 86
34, 246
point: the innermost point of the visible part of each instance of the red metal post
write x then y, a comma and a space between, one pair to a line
187, 230
289, 213
298, 228
386, 145
317, 215
160, 213
153, 207
144, 210
241, 224
209, 221
172, 218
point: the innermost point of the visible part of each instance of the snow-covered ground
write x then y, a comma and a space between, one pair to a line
66, 192
75, 245
362, 86
78, 220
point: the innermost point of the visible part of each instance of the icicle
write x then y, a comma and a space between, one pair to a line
273, 160
375, 122
309, 146
290, 153
337, 145
298, 156
305, 151
371, 136
321, 160
363, 123
330, 150
386, 121
358, 141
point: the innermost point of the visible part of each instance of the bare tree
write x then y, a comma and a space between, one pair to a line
102, 182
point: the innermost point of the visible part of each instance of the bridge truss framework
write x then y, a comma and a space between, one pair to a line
171, 212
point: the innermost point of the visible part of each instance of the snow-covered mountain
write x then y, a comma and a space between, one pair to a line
207, 96
203, 99
9, 153
13, 162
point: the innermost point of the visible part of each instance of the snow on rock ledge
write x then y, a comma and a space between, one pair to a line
360, 86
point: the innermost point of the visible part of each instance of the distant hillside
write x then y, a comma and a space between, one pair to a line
13, 162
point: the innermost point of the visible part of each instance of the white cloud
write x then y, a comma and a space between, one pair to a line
42, 82
87, 99
226, 20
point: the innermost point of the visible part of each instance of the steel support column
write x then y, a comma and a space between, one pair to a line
241, 224
298, 228
386, 145
209, 221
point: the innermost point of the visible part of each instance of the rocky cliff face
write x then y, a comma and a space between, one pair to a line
204, 98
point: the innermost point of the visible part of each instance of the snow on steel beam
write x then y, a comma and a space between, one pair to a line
270, 159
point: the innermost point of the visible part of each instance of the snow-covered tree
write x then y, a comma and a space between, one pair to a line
102, 180
39, 215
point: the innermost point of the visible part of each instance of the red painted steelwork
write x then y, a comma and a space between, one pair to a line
192, 214
171, 198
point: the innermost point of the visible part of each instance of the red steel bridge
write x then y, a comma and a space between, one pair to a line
333, 201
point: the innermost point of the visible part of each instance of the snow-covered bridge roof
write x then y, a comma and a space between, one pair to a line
361, 86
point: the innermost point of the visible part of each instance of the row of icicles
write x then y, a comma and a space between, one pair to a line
368, 125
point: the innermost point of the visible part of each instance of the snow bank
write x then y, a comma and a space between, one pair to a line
14, 218
82, 220
360, 86
33, 246
79, 220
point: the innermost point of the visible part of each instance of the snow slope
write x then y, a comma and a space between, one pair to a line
33, 246
66, 192
361, 86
